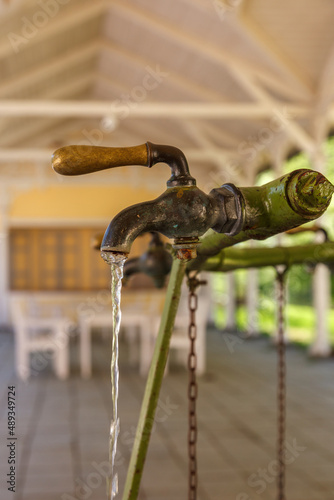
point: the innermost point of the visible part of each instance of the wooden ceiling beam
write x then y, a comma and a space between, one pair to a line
291, 72
218, 156
177, 110
220, 134
217, 54
199, 91
73, 17
323, 117
23, 132
286, 116
195, 132
49, 70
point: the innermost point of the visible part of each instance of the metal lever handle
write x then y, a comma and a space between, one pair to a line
78, 160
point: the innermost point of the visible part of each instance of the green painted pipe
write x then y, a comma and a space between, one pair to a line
282, 204
231, 259
154, 381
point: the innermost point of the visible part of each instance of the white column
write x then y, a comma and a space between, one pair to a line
321, 278
321, 301
252, 298
231, 323
4, 258
208, 291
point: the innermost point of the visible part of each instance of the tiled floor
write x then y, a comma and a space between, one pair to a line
62, 427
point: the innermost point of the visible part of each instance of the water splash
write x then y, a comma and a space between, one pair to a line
116, 262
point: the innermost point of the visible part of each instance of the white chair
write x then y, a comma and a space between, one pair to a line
139, 318
47, 336
140, 310
100, 319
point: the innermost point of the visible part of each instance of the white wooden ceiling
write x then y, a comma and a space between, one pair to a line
234, 84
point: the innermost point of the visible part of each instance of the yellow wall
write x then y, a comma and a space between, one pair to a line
69, 202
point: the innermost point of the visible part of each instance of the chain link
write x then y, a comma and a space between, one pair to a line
192, 394
281, 389
193, 283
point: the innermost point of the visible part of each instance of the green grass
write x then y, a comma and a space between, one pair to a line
300, 321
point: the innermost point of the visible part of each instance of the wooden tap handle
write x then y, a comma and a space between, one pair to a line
78, 160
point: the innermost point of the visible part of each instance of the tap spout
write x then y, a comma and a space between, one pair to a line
183, 213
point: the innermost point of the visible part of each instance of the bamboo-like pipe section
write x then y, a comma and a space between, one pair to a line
285, 203
154, 381
231, 259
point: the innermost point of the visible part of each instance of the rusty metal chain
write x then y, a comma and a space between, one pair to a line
192, 395
193, 283
281, 385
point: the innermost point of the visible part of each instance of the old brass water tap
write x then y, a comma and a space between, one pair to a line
183, 212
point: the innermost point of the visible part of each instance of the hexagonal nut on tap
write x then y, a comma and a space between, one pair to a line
231, 208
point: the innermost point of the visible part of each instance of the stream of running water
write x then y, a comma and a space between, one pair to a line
116, 262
